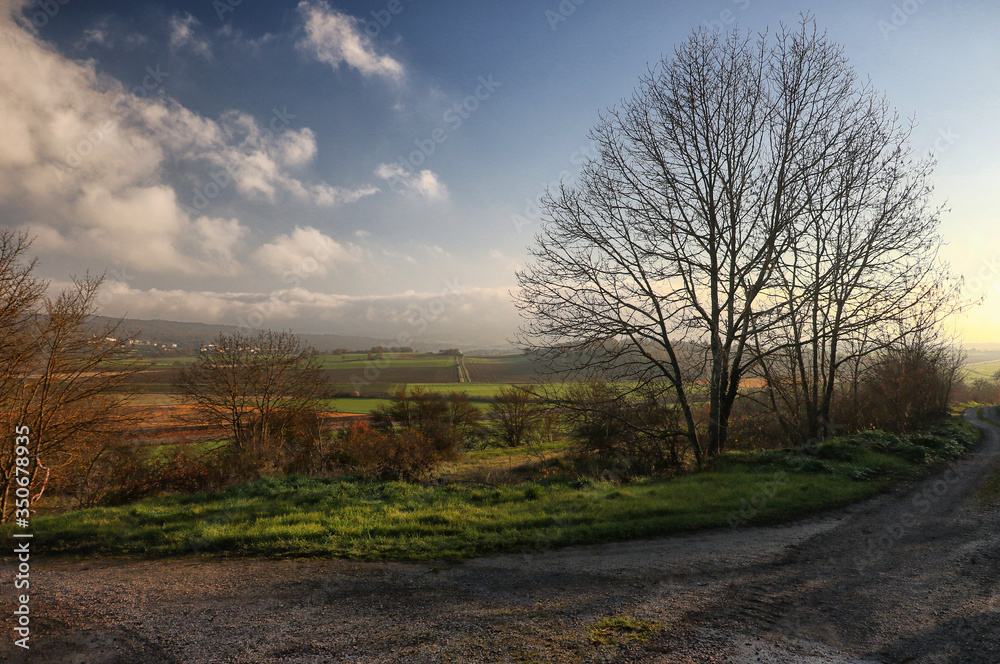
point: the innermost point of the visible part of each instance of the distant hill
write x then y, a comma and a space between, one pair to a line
191, 336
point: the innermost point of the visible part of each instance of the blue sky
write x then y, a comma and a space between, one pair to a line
369, 167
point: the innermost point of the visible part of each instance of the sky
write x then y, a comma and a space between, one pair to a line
374, 168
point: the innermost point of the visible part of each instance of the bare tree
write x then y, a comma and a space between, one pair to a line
674, 240
909, 382
256, 385
517, 415
61, 379
861, 273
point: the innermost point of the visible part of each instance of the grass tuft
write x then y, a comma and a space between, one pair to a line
621, 629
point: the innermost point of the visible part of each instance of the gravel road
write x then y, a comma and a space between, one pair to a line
912, 575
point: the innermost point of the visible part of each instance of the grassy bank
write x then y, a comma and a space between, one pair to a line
989, 492
368, 520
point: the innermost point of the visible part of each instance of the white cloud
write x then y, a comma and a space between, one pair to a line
510, 264
424, 183
236, 38
427, 185
183, 36
390, 171
335, 38
453, 311
436, 252
396, 256
97, 35
84, 161
306, 251
325, 195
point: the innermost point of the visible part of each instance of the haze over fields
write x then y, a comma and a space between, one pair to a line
373, 168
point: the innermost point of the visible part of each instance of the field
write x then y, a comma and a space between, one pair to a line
985, 370
360, 383
355, 372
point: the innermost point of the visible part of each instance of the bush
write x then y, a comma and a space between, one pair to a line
390, 455
122, 472
517, 417
623, 433
838, 450
445, 423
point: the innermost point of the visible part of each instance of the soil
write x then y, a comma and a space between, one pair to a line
912, 575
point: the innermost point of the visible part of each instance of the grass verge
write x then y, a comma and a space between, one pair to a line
989, 492
365, 519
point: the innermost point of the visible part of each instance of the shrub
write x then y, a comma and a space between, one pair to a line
391, 455
623, 433
443, 422
517, 416
122, 472
839, 450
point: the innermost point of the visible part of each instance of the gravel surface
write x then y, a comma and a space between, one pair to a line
912, 575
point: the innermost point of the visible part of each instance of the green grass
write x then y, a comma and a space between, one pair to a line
199, 447
621, 629
989, 492
412, 360
365, 519
473, 390
357, 405
368, 520
367, 401
982, 370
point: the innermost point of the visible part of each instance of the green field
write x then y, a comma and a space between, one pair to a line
976, 371
356, 405
373, 379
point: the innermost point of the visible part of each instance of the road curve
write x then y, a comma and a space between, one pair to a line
912, 575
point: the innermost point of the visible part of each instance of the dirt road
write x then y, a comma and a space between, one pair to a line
910, 576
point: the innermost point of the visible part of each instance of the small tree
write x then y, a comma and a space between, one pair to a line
909, 383
516, 415
444, 422
627, 431
259, 387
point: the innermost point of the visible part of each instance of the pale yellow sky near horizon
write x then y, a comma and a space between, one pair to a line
972, 247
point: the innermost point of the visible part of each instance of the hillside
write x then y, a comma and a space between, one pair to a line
190, 336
